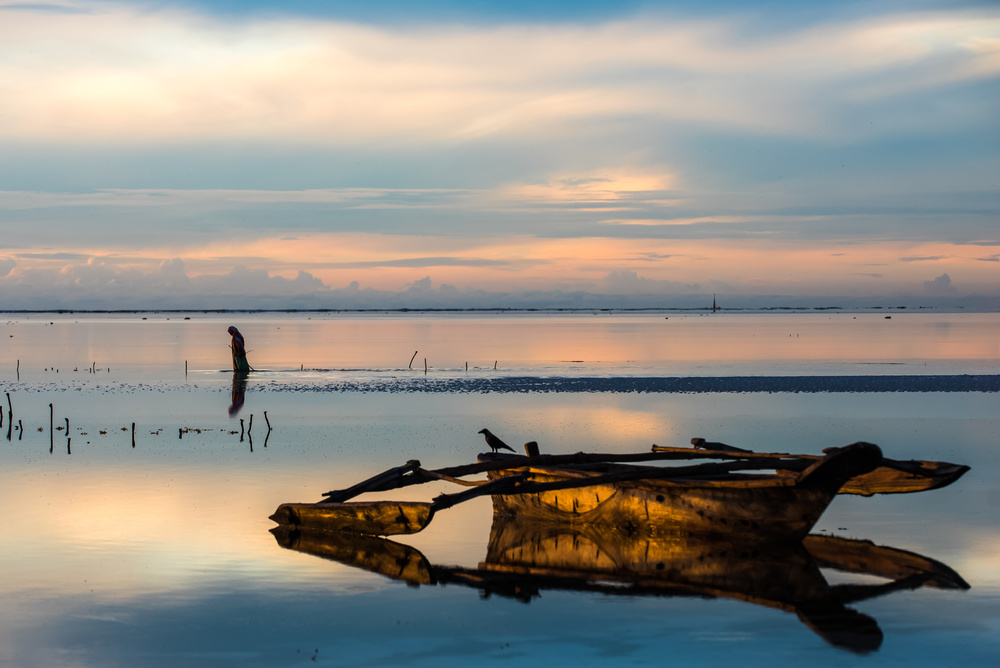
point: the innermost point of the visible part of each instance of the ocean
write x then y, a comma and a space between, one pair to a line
139, 476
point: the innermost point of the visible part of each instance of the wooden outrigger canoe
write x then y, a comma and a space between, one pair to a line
711, 498
526, 556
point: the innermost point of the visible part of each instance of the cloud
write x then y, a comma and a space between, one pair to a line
929, 258
115, 72
614, 186
423, 285
626, 282
421, 262
97, 285
940, 287
51, 256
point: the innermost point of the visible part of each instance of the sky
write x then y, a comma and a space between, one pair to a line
234, 154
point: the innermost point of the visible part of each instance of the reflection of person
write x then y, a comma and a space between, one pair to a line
240, 363
239, 393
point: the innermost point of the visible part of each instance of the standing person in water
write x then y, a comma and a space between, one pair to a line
240, 364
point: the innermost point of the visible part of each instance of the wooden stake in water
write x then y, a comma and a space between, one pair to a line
133, 434
250, 428
267, 421
413, 358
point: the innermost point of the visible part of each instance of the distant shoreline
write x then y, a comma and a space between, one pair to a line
582, 311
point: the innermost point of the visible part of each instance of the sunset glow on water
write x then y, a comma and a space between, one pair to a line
121, 551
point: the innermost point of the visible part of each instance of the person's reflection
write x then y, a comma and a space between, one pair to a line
239, 392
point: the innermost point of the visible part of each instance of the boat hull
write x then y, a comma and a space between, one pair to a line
745, 508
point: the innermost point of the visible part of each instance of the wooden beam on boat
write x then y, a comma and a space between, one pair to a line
384, 480
892, 477
405, 476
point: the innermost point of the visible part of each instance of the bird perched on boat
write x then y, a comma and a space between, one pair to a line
494, 442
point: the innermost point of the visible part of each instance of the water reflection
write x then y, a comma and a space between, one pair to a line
525, 557
238, 394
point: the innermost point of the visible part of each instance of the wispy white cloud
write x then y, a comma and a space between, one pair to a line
121, 73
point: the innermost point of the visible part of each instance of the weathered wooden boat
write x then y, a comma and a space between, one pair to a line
714, 498
750, 507
527, 556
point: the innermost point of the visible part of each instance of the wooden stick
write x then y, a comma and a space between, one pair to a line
250, 427
241, 430
382, 481
267, 421
413, 358
702, 443
133, 434
448, 478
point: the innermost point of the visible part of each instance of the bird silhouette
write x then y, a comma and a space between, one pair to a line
494, 442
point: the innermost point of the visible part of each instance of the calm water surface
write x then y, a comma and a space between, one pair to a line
160, 555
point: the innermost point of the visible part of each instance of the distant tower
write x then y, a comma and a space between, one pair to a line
714, 307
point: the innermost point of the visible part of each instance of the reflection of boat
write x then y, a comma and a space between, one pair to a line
754, 496
525, 557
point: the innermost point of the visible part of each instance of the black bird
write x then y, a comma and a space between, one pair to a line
494, 442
